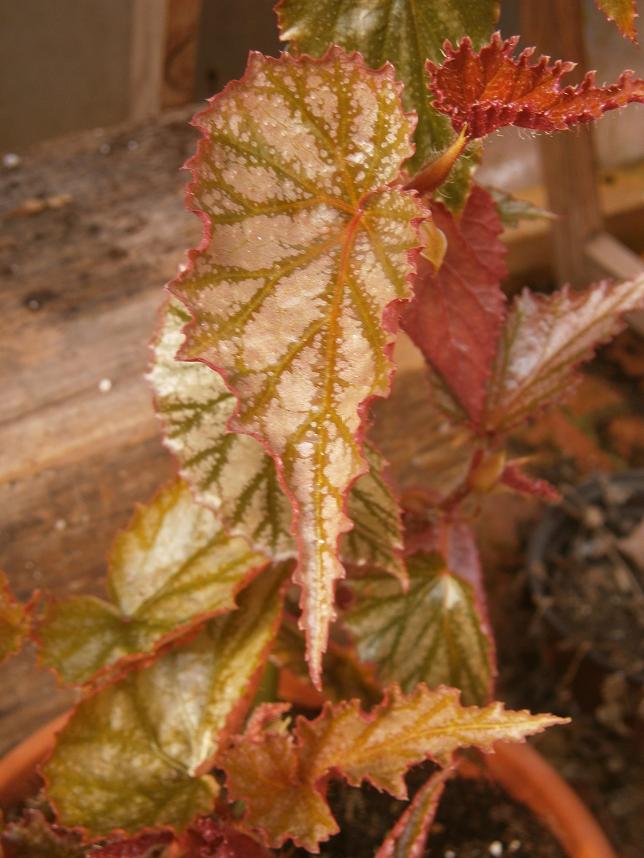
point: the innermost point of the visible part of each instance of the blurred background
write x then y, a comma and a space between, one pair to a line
79, 64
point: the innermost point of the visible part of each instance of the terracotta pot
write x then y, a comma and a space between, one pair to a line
18, 769
519, 769
527, 777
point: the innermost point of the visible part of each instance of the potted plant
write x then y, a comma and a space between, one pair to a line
280, 569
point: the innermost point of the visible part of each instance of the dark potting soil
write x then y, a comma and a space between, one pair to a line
475, 819
592, 574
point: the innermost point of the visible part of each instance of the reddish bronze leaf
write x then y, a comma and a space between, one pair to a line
456, 315
489, 89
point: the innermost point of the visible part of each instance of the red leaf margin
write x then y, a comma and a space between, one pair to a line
490, 89
391, 314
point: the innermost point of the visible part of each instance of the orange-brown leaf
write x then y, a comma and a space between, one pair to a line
282, 776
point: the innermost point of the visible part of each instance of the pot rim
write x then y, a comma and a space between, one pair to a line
553, 519
520, 769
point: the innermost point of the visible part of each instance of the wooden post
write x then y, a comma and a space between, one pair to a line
180, 61
147, 40
568, 158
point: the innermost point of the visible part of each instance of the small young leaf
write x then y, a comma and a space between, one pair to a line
293, 293
13, 621
490, 89
456, 315
378, 747
512, 210
544, 339
131, 755
623, 13
403, 33
433, 633
408, 837
171, 567
233, 475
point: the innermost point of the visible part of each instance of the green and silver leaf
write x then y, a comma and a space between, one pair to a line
171, 567
432, 633
133, 754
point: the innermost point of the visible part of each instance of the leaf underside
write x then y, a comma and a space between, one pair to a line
172, 567
406, 34
623, 13
233, 475
457, 312
544, 340
378, 747
432, 633
131, 755
491, 89
293, 291
13, 621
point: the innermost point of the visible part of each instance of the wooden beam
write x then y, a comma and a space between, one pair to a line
568, 159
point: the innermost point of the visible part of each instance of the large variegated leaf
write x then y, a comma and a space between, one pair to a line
408, 837
544, 340
405, 33
132, 755
378, 747
170, 568
623, 13
293, 291
13, 621
233, 475
433, 633
490, 89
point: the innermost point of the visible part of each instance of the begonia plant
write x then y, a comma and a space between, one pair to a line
337, 193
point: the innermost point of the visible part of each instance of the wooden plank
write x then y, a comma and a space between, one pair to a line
568, 160
81, 285
147, 41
